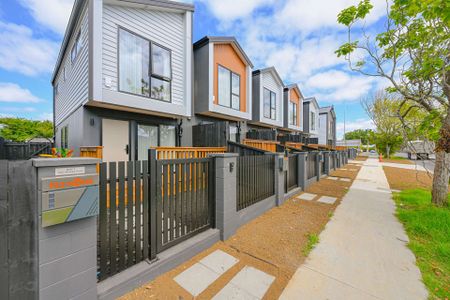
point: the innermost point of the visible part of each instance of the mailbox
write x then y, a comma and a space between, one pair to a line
68, 198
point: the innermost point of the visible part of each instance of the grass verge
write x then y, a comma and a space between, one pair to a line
313, 239
428, 228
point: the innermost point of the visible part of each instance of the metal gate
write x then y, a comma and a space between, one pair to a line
292, 172
149, 206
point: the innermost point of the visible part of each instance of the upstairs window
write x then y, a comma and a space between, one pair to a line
65, 137
144, 67
76, 48
270, 100
313, 121
292, 113
229, 87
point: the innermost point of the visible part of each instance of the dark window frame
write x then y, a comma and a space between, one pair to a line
151, 74
272, 105
76, 48
231, 88
293, 110
65, 137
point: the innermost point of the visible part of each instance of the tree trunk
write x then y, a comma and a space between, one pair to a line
442, 166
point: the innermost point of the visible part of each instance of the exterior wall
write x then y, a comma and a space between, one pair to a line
73, 92
290, 95
226, 56
315, 109
205, 83
269, 81
323, 128
75, 123
168, 29
306, 115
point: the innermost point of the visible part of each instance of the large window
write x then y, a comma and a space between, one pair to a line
313, 121
65, 137
229, 88
144, 67
154, 136
292, 114
270, 104
76, 48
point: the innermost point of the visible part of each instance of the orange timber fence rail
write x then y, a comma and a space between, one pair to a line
262, 144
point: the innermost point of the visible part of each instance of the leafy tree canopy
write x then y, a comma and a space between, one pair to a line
21, 130
360, 134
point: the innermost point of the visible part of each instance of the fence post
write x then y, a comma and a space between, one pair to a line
227, 220
279, 178
302, 173
326, 158
317, 164
152, 192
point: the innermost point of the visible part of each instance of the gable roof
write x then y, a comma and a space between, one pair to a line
77, 10
270, 70
327, 109
295, 87
223, 40
313, 100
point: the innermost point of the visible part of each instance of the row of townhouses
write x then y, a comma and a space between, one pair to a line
129, 77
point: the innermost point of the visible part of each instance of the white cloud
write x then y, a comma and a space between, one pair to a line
46, 116
229, 10
53, 14
21, 52
13, 93
18, 109
353, 125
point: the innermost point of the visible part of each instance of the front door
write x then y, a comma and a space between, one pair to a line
115, 140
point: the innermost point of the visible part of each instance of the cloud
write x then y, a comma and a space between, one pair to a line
18, 109
21, 52
46, 116
52, 14
229, 10
13, 93
353, 125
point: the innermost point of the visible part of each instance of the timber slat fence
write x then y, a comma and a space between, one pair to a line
255, 179
311, 164
292, 172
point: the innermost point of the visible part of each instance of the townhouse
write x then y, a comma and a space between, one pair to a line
311, 112
122, 79
327, 126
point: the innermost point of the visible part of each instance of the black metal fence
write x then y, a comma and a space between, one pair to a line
243, 150
292, 172
262, 134
23, 151
149, 206
311, 164
255, 179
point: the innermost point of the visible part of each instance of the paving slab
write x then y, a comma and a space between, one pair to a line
219, 261
196, 279
363, 251
332, 178
250, 281
345, 179
327, 199
199, 276
307, 196
232, 292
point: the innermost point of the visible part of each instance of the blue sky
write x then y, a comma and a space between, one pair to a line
298, 37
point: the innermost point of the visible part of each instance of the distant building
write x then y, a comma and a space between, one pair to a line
349, 143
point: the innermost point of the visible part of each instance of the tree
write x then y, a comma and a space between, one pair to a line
382, 109
20, 130
360, 134
413, 55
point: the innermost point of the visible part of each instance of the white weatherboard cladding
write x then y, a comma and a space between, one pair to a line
74, 90
313, 108
162, 27
323, 129
270, 82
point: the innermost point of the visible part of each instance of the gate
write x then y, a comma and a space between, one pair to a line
311, 168
292, 172
149, 206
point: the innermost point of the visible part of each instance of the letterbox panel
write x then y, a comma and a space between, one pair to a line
69, 205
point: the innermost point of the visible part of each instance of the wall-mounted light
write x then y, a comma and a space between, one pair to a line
231, 167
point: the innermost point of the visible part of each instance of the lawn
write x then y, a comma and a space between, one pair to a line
428, 228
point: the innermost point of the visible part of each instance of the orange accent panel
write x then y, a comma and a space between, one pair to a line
295, 98
226, 56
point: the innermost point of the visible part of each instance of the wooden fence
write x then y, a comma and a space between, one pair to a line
292, 172
263, 145
243, 150
23, 151
255, 179
187, 152
311, 164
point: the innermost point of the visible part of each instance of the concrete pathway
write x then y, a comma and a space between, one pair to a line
362, 252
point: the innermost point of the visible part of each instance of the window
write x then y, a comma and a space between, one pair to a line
167, 136
292, 114
65, 137
313, 121
233, 133
270, 99
144, 67
229, 88
154, 136
76, 48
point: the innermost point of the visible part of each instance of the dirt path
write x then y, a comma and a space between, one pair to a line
271, 243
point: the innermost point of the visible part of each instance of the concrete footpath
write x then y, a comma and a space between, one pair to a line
362, 253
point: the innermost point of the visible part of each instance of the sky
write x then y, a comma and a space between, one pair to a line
297, 37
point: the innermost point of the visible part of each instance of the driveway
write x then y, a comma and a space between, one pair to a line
362, 252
